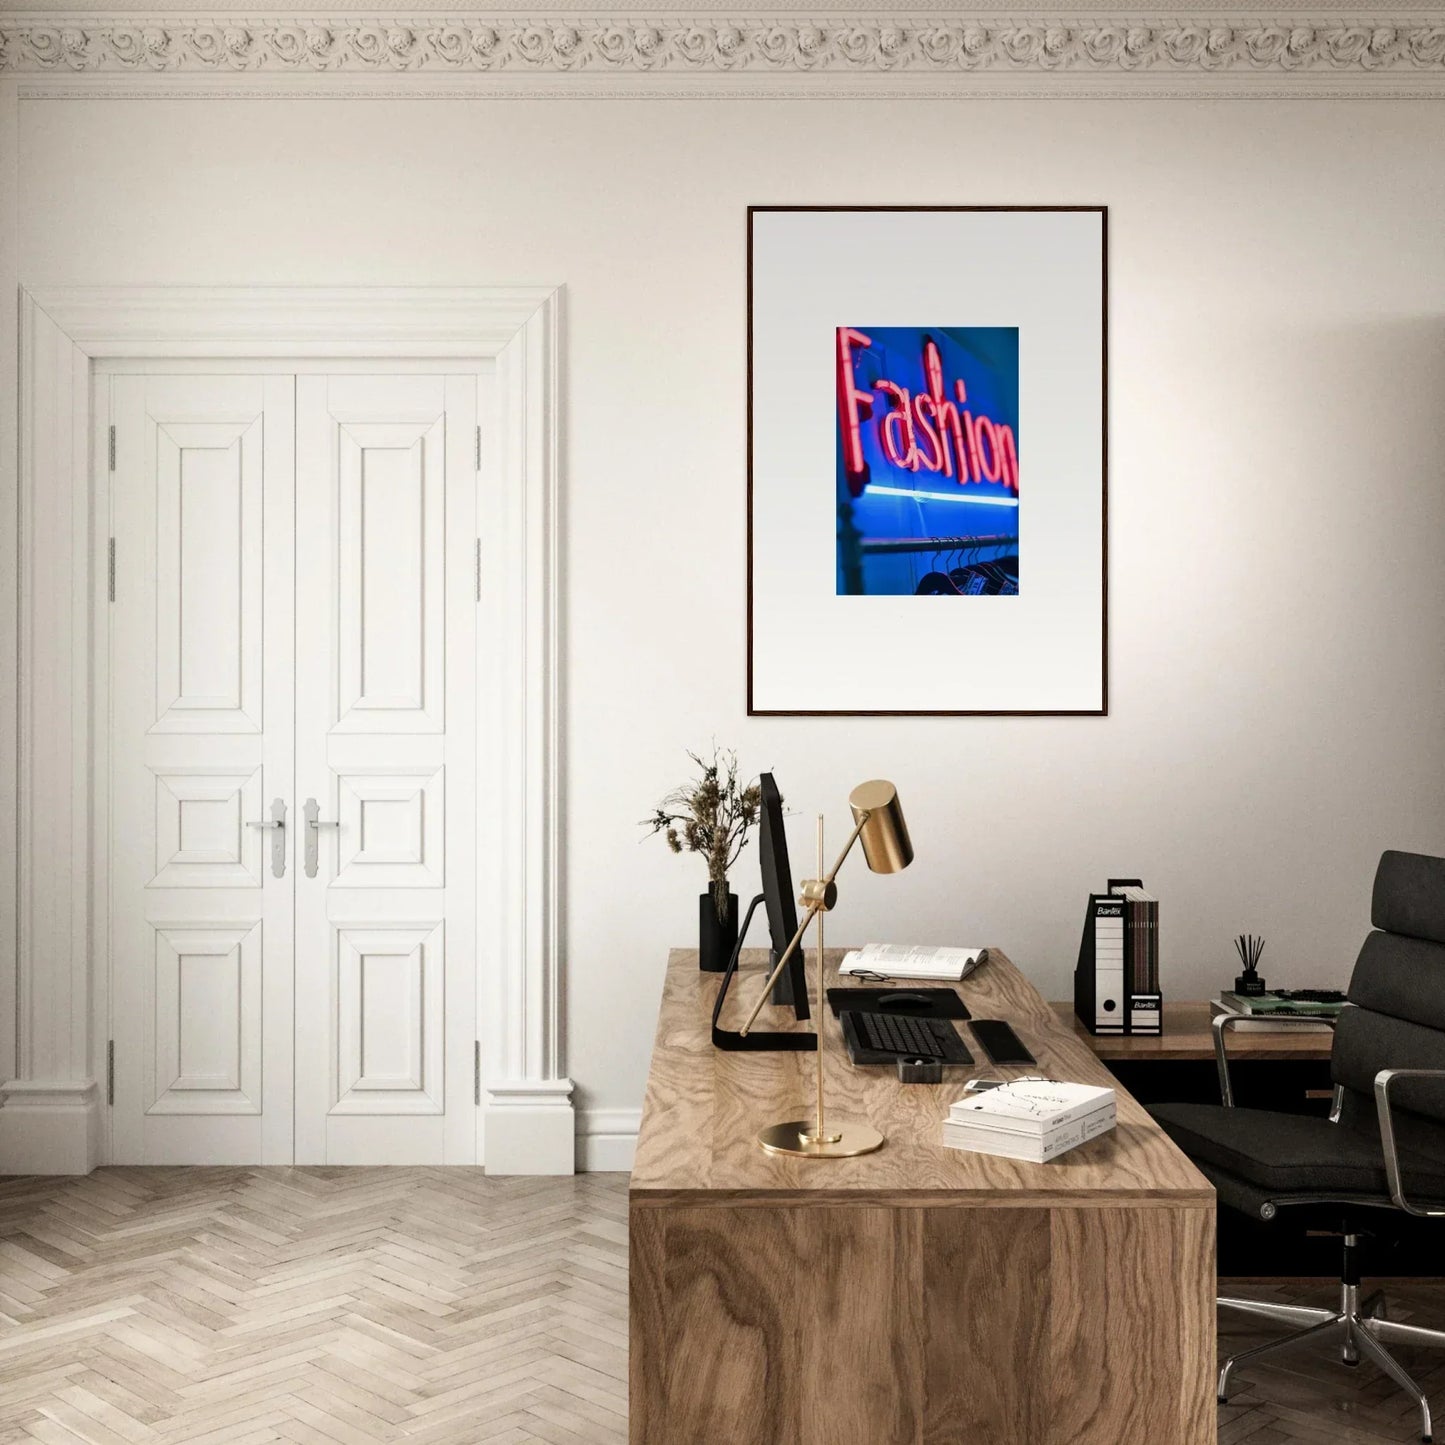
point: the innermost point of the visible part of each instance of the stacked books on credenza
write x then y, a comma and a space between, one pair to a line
1032, 1119
1116, 982
1262, 1013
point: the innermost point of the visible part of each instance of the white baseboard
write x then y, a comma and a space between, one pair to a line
607, 1139
530, 1128
49, 1128
55, 1129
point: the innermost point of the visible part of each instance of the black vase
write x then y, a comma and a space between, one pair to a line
716, 937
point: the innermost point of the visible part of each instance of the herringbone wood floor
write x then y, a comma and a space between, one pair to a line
435, 1306
317, 1306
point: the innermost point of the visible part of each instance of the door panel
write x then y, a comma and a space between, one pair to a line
201, 744
391, 517
393, 823
386, 625
202, 837
390, 997
208, 1020
208, 587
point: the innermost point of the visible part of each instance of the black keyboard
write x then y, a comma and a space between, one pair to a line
895, 1036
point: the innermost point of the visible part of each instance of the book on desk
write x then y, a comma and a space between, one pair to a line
1032, 1119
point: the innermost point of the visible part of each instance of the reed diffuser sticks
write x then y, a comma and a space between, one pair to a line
1249, 947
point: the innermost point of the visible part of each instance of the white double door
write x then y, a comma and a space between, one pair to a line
292, 643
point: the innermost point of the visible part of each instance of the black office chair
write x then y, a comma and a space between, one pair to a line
1382, 1150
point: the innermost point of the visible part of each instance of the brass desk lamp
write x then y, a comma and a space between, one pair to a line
878, 823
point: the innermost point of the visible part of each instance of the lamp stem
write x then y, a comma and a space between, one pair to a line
813, 910
819, 1133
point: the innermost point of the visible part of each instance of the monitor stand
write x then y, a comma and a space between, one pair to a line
757, 1040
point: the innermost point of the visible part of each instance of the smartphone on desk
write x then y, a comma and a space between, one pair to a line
1000, 1043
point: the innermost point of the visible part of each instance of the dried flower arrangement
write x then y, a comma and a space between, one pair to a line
712, 815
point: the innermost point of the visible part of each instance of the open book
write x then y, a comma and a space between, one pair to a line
905, 960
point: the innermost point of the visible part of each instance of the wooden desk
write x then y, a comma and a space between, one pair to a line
918, 1294
1188, 1037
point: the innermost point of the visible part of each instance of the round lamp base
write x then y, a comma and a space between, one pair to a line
845, 1139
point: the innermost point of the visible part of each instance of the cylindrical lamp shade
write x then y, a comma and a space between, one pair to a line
885, 840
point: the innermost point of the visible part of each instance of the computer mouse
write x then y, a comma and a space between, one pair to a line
904, 1000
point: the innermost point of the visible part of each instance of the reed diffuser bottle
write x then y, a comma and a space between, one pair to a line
1249, 984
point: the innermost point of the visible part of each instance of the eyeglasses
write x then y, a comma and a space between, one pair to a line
984, 1082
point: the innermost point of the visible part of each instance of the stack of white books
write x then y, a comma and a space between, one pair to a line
1033, 1119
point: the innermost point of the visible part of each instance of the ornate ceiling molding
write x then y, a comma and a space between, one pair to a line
1359, 55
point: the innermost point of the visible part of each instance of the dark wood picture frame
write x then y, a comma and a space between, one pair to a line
1102, 710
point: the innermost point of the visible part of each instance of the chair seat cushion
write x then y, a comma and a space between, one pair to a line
1292, 1153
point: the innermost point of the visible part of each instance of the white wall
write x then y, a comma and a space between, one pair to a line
1277, 293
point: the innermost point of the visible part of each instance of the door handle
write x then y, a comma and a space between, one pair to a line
276, 822
314, 824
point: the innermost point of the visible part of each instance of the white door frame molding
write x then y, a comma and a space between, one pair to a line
50, 1119
9, 558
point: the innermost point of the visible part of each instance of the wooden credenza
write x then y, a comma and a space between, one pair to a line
1188, 1038
918, 1294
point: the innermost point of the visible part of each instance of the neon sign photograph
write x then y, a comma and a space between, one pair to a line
928, 461
906, 366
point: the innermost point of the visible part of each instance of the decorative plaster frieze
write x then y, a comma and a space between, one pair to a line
844, 45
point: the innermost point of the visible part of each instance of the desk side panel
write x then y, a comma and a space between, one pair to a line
985, 1304
810, 1325
786, 1325
646, 1321
1132, 1326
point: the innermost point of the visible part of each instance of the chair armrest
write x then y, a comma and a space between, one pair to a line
1383, 1080
1221, 1025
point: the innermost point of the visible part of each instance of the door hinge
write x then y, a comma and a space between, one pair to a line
478, 459
477, 1072
112, 449
110, 1072
478, 568
110, 569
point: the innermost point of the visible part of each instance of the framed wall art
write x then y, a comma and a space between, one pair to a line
927, 460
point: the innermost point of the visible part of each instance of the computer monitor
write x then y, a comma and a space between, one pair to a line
791, 987
777, 899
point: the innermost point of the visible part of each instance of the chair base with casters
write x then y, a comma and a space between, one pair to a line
1361, 1328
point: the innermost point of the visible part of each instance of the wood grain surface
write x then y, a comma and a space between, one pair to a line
1131, 1324
988, 1280
810, 1325
1188, 1036
918, 1295
703, 1108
